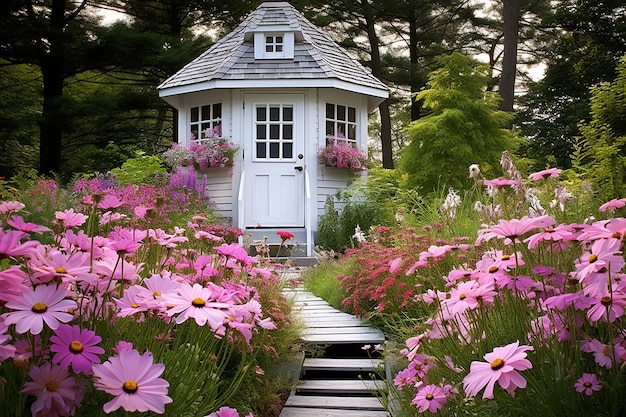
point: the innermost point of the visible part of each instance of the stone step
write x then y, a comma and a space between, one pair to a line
342, 339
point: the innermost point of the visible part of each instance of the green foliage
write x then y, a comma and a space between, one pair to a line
139, 170
464, 127
322, 281
604, 138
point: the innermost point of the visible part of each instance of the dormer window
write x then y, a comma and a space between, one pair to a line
273, 45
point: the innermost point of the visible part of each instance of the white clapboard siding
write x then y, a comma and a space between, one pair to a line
220, 189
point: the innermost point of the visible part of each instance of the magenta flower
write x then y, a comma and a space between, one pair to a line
515, 228
6, 350
225, 412
134, 381
546, 173
430, 397
43, 303
502, 366
54, 388
7, 207
587, 384
77, 347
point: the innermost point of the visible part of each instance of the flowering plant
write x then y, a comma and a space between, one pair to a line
210, 151
109, 313
341, 153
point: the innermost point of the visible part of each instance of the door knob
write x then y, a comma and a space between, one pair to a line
298, 168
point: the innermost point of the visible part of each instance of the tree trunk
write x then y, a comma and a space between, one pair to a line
377, 71
416, 106
510, 15
53, 115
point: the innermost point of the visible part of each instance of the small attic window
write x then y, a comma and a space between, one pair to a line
273, 45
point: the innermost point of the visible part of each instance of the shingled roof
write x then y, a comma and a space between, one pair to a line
318, 61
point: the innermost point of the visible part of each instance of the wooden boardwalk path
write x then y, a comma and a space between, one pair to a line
338, 384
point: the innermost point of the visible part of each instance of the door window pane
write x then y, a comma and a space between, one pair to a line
274, 140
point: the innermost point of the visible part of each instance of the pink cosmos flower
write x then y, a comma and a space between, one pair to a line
546, 173
500, 182
559, 233
405, 377
11, 245
430, 397
18, 223
602, 353
134, 381
593, 267
6, 351
77, 347
395, 265
12, 282
514, 228
587, 384
55, 391
199, 303
109, 201
613, 204
608, 307
235, 251
45, 303
502, 366
225, 412
69, 219
56, 264
7, 207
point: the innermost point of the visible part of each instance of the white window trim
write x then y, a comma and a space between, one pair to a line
259, 45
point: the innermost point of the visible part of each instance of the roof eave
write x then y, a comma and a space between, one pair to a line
377, 95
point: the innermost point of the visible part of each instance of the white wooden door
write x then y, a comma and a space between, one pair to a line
274, 160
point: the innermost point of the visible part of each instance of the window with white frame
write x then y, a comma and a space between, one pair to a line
274, 45
341, 122
206, 121
274, 132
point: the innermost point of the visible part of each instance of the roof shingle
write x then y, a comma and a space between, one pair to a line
316, 55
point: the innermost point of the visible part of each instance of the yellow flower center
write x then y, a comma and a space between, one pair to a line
497, 364
429, 396
130, 387
549, 229
506, 257
134, 305
157, 294
60, 270
198, 302
76, 347
39, 308
587, 384
493, 269
593, 258
462, 296
51, 386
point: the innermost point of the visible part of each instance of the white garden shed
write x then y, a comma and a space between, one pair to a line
277, 86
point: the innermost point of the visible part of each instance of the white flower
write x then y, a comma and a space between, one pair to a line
474, 170
451, 202
358, 235
479, 207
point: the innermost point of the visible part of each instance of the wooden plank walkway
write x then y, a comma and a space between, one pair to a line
329, 393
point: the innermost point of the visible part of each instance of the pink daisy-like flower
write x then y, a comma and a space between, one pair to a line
54, 388
45, 303
587, 384
6, 350
69, 219
613, 204
514, 228
134, 381
546, 173
11, 245
500, 182
18, 223
7, 207
77, 347
502, 366
225, 412
199, 303
430, 397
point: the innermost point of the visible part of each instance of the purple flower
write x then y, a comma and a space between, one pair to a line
587, 384
76, 347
